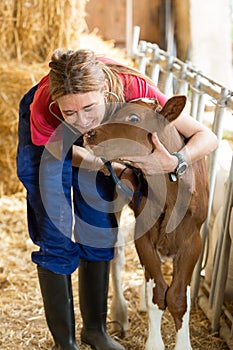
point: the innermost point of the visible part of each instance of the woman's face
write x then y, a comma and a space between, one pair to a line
83, 110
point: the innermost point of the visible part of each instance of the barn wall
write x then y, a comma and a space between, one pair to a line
109, 18
212, 45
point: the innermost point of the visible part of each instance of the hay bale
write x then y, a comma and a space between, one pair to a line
16, 79
30, 30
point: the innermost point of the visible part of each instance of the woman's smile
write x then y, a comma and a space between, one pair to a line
83, 110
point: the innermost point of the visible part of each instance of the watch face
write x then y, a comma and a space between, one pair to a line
182, 169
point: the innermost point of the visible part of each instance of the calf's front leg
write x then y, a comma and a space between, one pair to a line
178, 295
156, 288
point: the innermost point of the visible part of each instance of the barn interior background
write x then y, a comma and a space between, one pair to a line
29, 31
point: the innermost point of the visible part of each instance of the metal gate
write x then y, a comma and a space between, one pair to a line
174, 76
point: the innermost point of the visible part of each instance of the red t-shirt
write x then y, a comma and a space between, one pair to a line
44, 124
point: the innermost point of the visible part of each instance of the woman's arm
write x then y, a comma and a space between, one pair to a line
80, 156
201, 142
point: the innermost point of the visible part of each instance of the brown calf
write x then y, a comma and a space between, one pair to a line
168, 214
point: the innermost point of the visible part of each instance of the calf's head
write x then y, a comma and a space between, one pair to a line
128, 131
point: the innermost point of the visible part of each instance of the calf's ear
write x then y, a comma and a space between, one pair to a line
173, 107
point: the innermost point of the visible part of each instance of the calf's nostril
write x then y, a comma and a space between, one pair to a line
91, 133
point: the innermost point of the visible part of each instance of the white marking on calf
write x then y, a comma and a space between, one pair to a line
183, 336
154, 340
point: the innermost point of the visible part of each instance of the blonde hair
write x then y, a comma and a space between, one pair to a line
80, 71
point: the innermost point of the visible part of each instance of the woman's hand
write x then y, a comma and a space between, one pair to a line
82, 158
158, 162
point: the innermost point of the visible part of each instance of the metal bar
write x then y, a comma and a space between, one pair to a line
182, 83
201, 107
195, 97
218, 129
155, 67
166, 77
222, 257
142, 58
135, 41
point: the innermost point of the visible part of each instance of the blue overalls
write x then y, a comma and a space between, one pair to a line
58, 195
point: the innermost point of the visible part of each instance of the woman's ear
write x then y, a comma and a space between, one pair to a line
105, 86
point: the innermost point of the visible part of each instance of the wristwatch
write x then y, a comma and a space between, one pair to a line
181, 167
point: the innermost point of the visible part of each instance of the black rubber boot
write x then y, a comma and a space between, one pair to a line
93, 293
56, 290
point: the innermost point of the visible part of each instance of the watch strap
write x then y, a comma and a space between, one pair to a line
180, 158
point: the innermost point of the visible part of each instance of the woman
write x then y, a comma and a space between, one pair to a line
54, 114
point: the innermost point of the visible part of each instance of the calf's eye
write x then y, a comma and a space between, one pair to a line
133, 118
